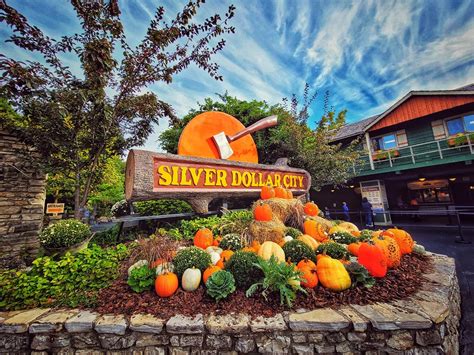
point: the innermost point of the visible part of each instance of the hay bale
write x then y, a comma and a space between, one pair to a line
273, 230
285, 210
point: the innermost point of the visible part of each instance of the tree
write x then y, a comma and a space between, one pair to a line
111, 187
292, 138
77, 123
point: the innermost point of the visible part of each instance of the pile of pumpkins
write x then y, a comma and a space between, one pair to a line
378, 252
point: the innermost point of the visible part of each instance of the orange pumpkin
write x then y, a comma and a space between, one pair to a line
390, 249
404, 240
166, 284
289, 194
306, 263
216, 241
311, 209
225, 256
263, 213
209, 271
249, 250
203, 238
267, 192
309, 277
353, 248
315, 230
280, 192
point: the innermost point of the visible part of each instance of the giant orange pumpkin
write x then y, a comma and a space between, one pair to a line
263, 213
203, 238
373, 258
403, 239
315, 230
390, 248
166, 284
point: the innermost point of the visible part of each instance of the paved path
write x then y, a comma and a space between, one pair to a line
441, 240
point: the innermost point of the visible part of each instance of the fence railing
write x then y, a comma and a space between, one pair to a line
454, 215
417, 153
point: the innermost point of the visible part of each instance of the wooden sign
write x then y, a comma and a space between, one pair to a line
152, 175
55, 208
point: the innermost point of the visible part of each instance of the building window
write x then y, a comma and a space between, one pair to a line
460, 125
469, 123
386, 142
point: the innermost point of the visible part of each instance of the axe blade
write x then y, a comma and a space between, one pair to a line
223, 146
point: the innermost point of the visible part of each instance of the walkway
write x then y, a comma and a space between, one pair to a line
441, 240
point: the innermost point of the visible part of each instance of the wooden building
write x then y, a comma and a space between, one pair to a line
419, 153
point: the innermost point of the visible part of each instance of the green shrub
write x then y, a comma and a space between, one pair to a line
343, 237
107, 237
141, 278
296, 250
334, 250
220, 285
234, 222
160, 207
232, 242
278, 277
293, 232
365, 234
71, 280
64, 233
231, 222
242, 265
191, 257
186, 229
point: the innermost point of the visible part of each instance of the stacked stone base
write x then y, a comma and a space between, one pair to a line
427, 323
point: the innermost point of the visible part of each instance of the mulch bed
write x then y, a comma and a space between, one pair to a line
399, 283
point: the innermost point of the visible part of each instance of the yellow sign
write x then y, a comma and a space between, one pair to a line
55, 208
175, 175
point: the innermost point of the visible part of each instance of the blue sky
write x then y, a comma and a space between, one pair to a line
367, 54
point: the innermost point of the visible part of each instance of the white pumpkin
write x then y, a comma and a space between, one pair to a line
215, 257
138, 264
214, 249
191, 279
164, 267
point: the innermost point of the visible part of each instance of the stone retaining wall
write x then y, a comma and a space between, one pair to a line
427, 323
22, 195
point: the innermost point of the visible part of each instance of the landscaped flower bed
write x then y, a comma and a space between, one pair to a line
279, 255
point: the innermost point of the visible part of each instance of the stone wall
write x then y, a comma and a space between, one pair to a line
22, 195
427, 323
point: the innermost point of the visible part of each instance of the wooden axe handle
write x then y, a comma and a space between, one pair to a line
266, 122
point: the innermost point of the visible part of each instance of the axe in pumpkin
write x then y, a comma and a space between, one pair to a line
222, 140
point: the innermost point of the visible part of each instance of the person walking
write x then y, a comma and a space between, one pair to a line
327, 214
345, 211
367, 209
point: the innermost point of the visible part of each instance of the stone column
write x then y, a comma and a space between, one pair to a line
22, 196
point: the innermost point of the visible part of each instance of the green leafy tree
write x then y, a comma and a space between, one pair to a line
77, 123
111, 187
292, 138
